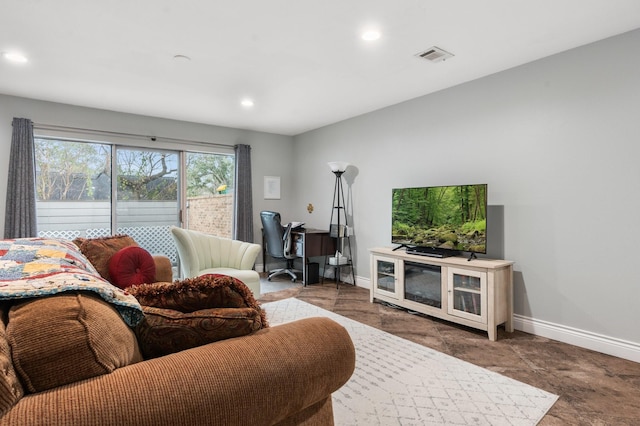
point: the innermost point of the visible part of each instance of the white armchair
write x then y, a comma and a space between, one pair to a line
202, 254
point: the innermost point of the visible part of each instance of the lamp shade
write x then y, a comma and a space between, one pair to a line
338, 166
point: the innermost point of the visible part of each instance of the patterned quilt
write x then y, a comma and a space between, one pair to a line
36, 267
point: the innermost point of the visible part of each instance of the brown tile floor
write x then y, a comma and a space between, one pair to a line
594, 389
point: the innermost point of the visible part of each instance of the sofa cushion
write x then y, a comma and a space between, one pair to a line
10, 387
195, 311
130, 266
68, 337
164, 331
100, 250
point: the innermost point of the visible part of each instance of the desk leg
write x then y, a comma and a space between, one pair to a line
304, 271
303, 239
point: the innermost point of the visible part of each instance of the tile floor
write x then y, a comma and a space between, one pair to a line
594, 389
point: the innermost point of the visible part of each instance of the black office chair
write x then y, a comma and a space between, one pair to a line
279, 244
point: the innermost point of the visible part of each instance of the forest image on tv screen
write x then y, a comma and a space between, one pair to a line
447, 217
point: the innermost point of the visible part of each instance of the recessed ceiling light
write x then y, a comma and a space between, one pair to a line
15, 57
247, 103
371, 35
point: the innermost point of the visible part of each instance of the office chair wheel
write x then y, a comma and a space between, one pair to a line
268, 278
293, 280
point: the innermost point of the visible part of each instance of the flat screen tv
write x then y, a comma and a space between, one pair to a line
440, 220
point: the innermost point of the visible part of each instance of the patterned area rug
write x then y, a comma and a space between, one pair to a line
398, 382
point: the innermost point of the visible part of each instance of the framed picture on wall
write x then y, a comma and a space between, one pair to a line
272, 187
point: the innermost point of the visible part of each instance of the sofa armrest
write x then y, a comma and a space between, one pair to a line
164, 271
260, 379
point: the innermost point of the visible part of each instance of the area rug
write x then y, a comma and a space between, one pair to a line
398, 382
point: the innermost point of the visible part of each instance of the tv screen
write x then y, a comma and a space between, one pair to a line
449, 218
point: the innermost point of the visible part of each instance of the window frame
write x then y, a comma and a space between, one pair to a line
124, 141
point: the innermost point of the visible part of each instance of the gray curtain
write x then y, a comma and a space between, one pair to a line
244, 199
20, 216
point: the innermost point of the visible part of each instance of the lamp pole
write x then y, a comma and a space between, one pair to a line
339, 205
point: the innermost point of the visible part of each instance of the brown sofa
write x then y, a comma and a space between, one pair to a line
70, 359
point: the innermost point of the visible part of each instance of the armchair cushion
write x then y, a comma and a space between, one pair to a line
67, 337
130, 266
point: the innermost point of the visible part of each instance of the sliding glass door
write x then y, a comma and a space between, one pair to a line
209, 193
89, 190
146, 197
73, 188
92, 189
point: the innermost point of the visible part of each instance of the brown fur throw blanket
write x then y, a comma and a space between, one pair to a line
194, 311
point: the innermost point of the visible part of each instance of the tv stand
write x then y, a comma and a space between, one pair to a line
476, 294
432, 252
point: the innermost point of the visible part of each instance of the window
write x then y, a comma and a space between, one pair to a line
146, 201
73, 188
210, 189
91, 189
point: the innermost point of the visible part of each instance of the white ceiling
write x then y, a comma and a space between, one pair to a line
303, 62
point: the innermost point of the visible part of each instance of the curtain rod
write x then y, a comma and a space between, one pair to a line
55, 127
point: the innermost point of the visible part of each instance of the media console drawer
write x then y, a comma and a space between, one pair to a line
477, 293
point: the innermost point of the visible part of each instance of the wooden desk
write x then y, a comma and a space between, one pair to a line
312, 243
309, 243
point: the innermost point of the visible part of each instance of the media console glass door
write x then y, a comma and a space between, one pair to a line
386, 280
467, 294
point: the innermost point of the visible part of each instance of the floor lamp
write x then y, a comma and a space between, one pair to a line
339, 229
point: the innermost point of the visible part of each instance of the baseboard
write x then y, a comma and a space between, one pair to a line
573, 336
360, 281
363, 282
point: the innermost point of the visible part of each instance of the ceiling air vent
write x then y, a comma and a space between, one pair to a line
435, 54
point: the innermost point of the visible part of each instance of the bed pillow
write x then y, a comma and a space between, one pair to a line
131, 266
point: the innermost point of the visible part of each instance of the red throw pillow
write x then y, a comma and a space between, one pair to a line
131, 266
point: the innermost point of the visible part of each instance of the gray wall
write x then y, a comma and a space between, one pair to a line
270, 154
558, 142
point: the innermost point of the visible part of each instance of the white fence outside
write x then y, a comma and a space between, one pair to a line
147, 222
